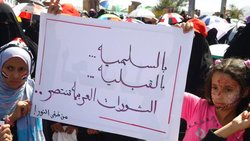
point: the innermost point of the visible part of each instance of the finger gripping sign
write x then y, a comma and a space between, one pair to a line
111, 76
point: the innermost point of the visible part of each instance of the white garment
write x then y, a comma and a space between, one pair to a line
62, 136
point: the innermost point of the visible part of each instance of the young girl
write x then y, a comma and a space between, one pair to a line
16, 89
227, 95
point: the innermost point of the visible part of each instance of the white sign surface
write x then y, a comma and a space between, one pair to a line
117, 77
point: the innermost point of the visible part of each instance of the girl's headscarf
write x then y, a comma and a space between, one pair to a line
28, 128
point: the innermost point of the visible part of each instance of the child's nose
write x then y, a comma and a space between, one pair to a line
16, 74
219, 93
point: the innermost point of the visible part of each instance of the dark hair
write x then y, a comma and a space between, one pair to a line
236, 68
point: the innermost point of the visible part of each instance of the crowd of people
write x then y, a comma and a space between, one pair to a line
216, 98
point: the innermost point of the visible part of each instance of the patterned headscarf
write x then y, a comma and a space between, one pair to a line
28, 128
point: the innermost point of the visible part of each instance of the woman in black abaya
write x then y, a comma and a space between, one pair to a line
10, 29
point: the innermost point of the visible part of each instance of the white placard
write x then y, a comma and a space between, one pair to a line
118, 77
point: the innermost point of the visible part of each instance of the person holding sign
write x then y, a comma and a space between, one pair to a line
55, 7
16, 90
11, 29
227, 95
54, 129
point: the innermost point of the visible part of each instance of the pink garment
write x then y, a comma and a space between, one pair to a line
201, 117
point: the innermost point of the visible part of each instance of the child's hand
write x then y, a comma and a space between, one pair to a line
242, 121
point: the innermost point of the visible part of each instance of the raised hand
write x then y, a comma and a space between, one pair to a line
242, 121
55, 7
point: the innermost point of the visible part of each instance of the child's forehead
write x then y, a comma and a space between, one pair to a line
15, 60
220, 74
220, 77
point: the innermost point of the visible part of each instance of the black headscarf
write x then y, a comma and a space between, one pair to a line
212, 36
10, 29
239, 46
200, 61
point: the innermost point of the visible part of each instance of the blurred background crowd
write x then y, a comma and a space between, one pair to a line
221, 25
222, 34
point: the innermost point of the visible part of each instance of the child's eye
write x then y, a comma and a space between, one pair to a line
214, 88
10, 68
228, 90
22, 69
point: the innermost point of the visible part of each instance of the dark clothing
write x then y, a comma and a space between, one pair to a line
212, 137
200, 61
182, 130
240, 45
115, 137
10, 29
247, 135
14, 132
83, 135
212, 36
32, 28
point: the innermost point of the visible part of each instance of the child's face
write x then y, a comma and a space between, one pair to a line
14, 71
225, 91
